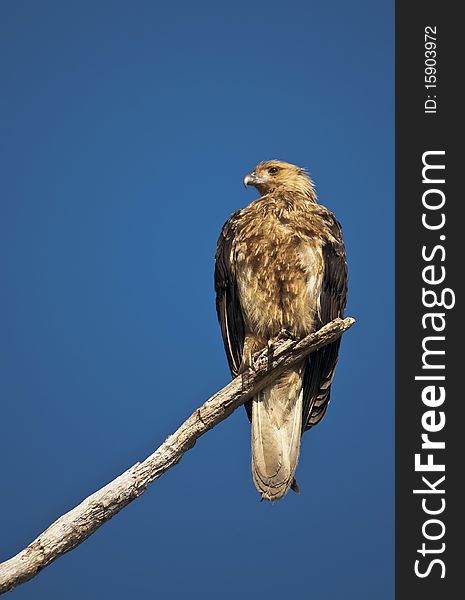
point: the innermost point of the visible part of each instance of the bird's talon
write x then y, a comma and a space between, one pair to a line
285, 334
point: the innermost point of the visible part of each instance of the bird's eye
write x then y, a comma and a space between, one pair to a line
273, 170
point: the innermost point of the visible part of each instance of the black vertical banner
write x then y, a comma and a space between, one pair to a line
430, 238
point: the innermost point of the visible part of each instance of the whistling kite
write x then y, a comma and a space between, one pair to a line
280, 269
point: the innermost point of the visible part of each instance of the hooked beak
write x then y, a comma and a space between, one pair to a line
251, 179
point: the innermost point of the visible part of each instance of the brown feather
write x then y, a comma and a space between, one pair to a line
280, 264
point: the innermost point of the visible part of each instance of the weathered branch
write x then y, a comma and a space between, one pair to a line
78, 524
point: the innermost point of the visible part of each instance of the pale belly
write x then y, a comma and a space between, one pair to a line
279, 281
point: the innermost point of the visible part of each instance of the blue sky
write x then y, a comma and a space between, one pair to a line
126, 129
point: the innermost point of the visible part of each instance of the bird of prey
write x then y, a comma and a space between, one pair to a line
280, 270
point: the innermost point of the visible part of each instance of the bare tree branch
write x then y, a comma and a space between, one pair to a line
78, 524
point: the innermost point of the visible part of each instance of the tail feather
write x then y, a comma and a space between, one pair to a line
276, 433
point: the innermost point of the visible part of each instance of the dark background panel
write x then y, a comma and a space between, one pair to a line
417, 132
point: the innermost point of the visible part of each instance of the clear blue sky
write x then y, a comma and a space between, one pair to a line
126, 129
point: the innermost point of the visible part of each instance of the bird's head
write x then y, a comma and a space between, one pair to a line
274, 175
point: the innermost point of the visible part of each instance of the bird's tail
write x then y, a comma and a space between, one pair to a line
276, 432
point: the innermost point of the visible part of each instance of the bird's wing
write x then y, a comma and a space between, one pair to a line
321, 365
227, 298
